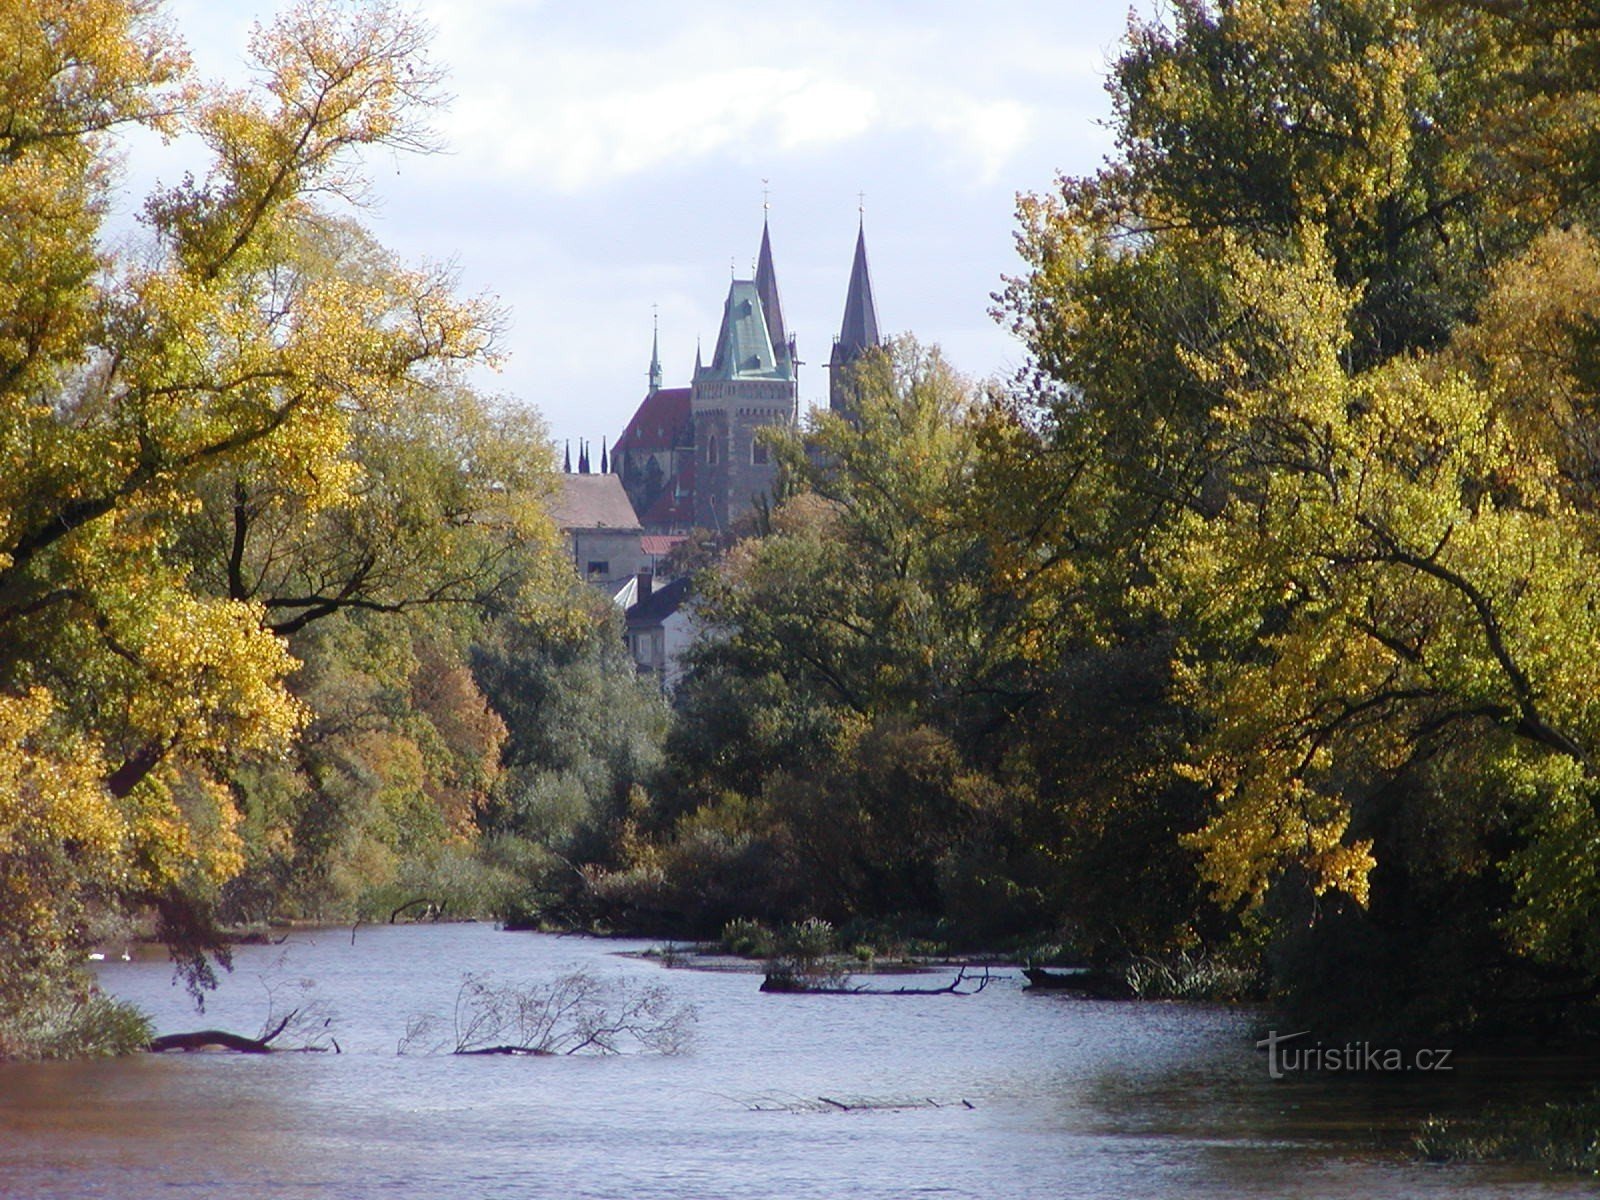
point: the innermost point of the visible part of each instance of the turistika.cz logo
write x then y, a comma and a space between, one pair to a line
1309, 1057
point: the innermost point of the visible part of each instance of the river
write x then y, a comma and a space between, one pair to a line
1037, 1095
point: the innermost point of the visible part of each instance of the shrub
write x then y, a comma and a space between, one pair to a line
83, 1026
749, 938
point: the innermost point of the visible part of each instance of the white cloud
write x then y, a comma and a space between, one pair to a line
570, 104
580, 140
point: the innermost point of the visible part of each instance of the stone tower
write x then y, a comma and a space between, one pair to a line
749, 382
858, 332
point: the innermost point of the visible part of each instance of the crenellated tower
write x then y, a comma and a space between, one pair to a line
750, 382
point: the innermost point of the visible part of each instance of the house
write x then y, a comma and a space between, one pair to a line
660, 627
603, 534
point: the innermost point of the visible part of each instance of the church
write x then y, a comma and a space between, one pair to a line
690, 457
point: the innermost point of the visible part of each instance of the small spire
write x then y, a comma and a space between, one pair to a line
766, 277
655, 349
566, 461
583, 457
605, 463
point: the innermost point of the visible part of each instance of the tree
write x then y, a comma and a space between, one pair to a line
1311, 396
130, 384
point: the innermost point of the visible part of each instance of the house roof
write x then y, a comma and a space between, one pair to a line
657, 423
660, 543
659, 604
592, 502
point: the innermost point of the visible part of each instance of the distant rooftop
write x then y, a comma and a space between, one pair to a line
592, 502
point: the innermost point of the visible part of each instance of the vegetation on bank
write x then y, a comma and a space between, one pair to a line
1562, 1135
1247, 640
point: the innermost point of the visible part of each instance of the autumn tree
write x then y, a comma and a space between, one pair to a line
131, 384
1312, 360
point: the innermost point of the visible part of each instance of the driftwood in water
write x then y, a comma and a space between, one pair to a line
1098, 985
430, 908
808, 1104
205, 1039
792, 984
307, 1027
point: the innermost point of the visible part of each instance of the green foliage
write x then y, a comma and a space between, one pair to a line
584, 732
1556, 1134
748, 938
1314, 425
80, 1025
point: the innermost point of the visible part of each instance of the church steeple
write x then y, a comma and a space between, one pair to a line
655, 356
858, 332
767, 290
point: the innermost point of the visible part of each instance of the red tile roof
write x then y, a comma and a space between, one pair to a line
656, 425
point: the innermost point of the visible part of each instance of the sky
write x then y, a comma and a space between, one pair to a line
607, 165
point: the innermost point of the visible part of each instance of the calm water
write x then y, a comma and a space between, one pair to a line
1068, 1098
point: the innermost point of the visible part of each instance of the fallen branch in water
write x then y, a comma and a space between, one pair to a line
307, 1025
785, 983
575, 1014
805, 1104
204, 1039
431, 909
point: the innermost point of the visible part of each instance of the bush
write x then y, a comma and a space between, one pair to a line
1562, 1135
1183, 976
83, 1026
749, 938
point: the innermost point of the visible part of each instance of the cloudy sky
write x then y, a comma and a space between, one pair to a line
607, 161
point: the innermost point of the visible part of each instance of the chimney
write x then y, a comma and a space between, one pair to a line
646, 582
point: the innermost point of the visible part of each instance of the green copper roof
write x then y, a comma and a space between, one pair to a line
744, 347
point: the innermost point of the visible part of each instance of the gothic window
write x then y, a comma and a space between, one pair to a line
758, 452
711, 450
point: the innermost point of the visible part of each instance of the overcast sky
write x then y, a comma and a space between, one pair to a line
607, 158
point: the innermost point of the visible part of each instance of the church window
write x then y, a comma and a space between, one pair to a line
711, 450
758, 452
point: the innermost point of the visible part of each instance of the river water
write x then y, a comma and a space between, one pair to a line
1038, 1095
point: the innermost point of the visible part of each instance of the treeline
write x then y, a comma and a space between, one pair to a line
1259, 618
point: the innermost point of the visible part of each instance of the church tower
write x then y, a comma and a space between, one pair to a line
858, 332
749, 382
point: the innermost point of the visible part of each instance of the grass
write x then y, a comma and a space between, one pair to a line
1562, 1135
91, 1026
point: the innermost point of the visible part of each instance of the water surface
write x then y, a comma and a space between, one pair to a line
1038, 1095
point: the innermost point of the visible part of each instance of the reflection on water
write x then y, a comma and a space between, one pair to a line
1069, 1098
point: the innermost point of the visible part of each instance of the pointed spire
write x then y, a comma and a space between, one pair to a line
859, 329
605, 463
655, 355
767, 289
858, 332
566, 461
583, 457
699, 362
